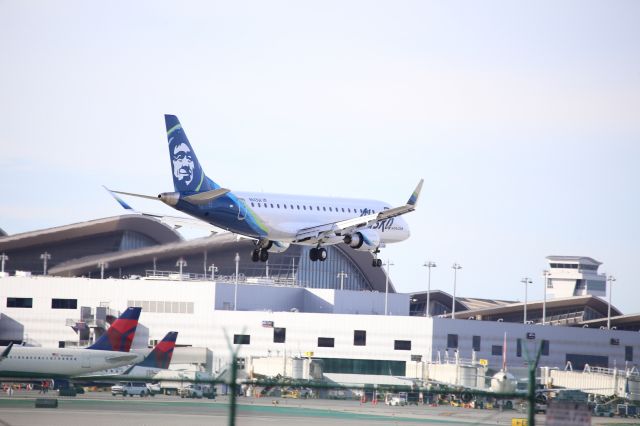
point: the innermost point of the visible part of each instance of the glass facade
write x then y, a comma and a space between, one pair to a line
133, 240
325, 274
363, 366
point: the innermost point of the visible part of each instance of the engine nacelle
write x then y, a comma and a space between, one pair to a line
276, 246
169, 198
364, 240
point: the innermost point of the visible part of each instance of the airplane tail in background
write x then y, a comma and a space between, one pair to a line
188, 175
120, 335
160, 356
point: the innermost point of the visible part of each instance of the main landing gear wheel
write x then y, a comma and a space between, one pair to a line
322, 254
318, 253
264, 255
261, 255
376, 263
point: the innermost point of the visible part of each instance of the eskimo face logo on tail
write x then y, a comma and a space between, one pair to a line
183, 164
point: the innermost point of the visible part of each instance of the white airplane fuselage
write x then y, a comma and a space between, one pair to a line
33, 362
279, 217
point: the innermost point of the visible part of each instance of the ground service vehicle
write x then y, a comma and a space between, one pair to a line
602, 410
197, 391
130, 389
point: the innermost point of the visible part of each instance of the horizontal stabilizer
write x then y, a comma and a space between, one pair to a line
205, 197
122, 358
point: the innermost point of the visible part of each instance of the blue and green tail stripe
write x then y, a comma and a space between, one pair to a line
416, 193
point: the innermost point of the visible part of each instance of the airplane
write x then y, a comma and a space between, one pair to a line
110, 350
157, 360
275, 221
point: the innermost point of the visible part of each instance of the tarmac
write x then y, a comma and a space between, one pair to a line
101, 408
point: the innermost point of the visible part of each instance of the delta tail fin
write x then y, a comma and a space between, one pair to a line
188, 174
160, 356
120, 335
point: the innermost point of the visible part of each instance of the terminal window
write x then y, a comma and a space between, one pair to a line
476, 343
628, 353
325, 342
279, 335
64, 303
496, 350
452, 341
241, 339
402, 345
19, 302
545, 347
359, 337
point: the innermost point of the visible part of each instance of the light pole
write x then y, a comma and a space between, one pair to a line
386, 287
544, 300
235, 291
526, 281
429, 264
3, 258
181, 263
611, 280
213, 268
342, 275
455, 267
102, 265
45, 257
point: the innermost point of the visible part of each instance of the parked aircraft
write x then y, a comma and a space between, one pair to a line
277, 220
157, 360
110, 350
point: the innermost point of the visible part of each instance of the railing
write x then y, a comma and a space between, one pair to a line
242, 278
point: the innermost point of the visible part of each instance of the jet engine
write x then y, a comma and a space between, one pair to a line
364, 240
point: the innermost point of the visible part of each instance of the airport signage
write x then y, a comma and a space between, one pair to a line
615, 342
531, 336
267, 324
416, 358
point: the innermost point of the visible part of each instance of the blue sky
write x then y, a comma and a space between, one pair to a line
522, 117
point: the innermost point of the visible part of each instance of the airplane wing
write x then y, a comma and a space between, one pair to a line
343, 227
173, 221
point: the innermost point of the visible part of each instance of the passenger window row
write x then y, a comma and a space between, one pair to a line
304, 207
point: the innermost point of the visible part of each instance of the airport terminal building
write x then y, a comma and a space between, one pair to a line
337, 313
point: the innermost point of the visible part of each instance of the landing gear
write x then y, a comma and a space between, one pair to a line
318, 253
376, 263
264, 255
261, 255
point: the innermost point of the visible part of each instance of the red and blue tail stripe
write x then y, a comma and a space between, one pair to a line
160, 356
120, 335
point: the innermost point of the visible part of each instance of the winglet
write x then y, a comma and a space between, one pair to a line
5, 352
118, 199
413, 200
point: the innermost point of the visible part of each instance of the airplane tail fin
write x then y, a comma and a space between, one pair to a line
160, 356
120, 335
188, 175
